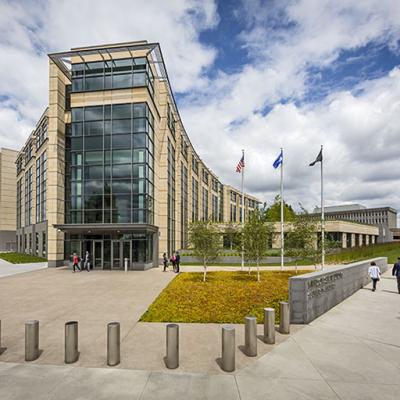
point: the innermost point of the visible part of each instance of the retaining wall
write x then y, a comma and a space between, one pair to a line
313, 294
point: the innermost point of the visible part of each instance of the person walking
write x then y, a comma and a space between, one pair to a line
396, 273
165, 262
374, 273
173, 262
177, 261
75, 262
87, 261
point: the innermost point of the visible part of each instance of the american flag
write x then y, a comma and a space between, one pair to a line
240, 164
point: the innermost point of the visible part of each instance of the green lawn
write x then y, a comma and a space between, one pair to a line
226, 297
344, 256
390, 250
21, 258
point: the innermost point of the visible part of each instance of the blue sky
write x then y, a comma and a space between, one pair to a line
249, 74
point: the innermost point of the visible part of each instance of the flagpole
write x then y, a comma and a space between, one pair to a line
322, 213
282, 227
242, 211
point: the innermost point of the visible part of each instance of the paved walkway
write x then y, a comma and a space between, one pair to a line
55, 296
351, 352
8, 269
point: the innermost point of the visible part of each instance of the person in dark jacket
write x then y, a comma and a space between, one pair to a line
177, 261
87, 261
165, 262
396, 273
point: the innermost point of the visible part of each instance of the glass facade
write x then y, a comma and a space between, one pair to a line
184, 206
195, 200
109, 165
171, 199
112, 74
28, 197
41, 176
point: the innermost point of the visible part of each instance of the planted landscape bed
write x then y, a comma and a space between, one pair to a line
226, 297
21, 258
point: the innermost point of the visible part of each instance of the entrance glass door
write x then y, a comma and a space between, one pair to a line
98, 254
116, 262
126, 253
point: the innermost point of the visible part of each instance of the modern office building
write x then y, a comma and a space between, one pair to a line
7, 199
109, 168
385, 218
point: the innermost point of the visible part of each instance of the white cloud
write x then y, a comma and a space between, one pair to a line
29, 30
222, 115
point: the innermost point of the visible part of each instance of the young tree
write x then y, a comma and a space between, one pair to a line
301, 238
205, 240
256, 234
273, 212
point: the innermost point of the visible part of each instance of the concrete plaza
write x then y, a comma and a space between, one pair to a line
351, 352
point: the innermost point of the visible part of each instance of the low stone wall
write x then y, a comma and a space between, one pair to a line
313, 294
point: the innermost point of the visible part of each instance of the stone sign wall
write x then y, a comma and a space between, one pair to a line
313, 294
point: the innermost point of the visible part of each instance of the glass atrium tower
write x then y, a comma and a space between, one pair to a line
116, 174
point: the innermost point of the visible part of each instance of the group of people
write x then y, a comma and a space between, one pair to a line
175, 260
85, 260
375, 274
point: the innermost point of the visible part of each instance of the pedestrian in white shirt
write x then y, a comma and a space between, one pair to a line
374, 273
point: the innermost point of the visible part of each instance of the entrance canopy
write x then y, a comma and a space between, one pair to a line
105, 228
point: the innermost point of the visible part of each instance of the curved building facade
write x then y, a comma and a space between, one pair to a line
110, 169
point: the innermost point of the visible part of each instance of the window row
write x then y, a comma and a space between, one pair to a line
120, 201
139, 186
113, 74
117, 126
111, 216
112, 111
114, 171
137, 140
110, 157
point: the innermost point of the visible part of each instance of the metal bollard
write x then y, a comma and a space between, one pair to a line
113, 343
228, 348
269, 325
71, 342
126, 264
31, 340
284, 320
172, 357
250, 336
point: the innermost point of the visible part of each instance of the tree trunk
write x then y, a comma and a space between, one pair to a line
295, 267
205, 271
249, 267
258, 270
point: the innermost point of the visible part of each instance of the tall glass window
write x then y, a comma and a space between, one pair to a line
28, 197
171, 198
184, 206
195, 200
204, 203
19, 202
109, 155
112, 74
41, 174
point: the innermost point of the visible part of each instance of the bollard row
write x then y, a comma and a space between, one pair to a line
71, 354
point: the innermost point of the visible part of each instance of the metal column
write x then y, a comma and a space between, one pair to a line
31, 340
284, 320
269, 325
71, 342
250, 336
113, 343
172, 357
228, 348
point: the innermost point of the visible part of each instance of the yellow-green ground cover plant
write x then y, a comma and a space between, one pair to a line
226, 297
